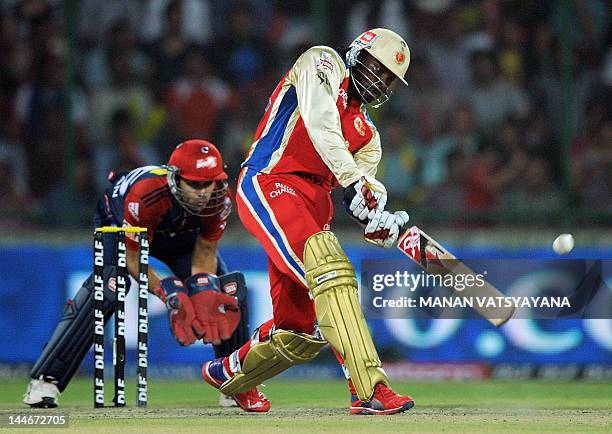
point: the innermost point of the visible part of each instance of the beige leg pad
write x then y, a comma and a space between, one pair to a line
331, 278
267, 359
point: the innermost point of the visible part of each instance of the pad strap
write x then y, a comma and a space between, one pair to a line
267, 359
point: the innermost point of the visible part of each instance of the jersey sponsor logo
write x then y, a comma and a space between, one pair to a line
210, 161
359, 126
323, 78
202, 280
227, 208
280, 189
368, 37
325, 277
133, 208
411, 244
230, 288
112, 284
342, 94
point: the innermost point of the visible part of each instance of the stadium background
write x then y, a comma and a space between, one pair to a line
502, 140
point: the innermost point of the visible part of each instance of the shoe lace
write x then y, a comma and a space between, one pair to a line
255, 395
385, 392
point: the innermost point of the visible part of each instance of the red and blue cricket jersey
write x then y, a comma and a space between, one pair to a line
143, 198
312, 137
310, 126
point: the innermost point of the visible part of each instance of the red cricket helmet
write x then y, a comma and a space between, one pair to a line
200, 161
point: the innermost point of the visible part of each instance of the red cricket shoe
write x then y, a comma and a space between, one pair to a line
215, 374
384, 401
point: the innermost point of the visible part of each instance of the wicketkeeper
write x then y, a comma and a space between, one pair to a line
185, 206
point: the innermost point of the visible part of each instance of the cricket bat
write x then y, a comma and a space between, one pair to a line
435, 259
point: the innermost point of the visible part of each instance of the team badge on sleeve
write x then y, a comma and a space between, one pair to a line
359, 126
324, 62
133, 208
342, 94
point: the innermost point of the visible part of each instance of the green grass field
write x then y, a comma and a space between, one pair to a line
321, 407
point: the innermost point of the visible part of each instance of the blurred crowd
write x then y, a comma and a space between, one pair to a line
507, 117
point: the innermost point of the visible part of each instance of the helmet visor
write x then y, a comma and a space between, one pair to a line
369, 85
201, 198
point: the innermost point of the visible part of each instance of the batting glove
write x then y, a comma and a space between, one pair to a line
370, 196
384, 228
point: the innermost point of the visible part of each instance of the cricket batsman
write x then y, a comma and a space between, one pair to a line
315, 135
185, 206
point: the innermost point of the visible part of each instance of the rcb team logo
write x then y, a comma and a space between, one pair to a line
359, 126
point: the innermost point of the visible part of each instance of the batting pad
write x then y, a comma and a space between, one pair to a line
331, 278
267, 359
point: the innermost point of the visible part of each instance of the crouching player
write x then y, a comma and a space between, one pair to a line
185, 206
316, 134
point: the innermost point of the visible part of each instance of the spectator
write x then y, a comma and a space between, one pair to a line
511, 59
491, 96
120, 38
98, 18
123, 152
390, 14
197, 98
489, 176
595, 188
14, 204
535, 196
61, 205
161, 70
39, 112
449, 57
196, 20
123, 92
241, 54
401, 168
424, 104
449, 196
168, 51
462, 137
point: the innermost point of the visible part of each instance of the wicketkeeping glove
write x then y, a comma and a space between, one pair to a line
181, 314
217, 314
383, 229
